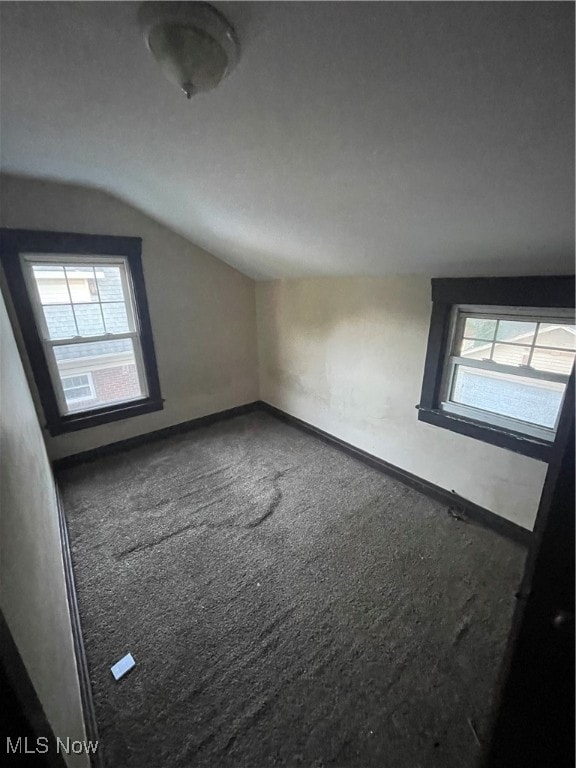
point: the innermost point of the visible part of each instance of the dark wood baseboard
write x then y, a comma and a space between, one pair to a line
90, 724
473, 512
159, 434
22, 713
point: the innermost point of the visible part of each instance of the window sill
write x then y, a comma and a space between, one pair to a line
88, 419
533, 447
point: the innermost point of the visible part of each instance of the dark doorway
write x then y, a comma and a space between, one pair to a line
534, 726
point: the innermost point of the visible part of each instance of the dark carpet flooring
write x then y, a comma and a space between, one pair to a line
286, 606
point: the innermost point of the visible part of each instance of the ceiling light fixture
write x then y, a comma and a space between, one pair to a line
194, 44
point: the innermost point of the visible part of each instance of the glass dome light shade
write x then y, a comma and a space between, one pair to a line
193, 43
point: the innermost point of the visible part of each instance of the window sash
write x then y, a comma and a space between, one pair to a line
516, 370
28, 261
505, 422
457, 323
500, 420
90, 339
57, 383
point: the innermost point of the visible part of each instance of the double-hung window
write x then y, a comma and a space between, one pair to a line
82, 309
509, 368
86, 316
499, 371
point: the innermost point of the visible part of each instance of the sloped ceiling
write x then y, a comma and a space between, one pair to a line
353, 138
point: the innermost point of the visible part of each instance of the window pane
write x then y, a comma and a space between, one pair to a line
112, 365
110, 283
60, 321
89, 319
82, 283
479, 328
517, 397
516, 331
479, 349
510, 354
553, 335
115, 317
552, 360
51, 283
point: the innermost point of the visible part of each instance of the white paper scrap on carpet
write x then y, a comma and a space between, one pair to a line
124, 665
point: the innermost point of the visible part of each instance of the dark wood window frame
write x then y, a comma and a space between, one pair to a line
555, 292
13, 242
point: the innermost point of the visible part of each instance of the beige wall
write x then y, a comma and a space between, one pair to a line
347, 355
32, 586
202, 311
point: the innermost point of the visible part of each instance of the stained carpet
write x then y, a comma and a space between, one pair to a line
286, 606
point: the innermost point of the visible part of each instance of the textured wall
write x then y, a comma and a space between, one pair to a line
33, 596
202, 310
347, 355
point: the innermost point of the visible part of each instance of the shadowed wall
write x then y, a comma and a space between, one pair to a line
33, 594
347, 355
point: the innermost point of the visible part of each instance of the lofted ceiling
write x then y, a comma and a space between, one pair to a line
352, 138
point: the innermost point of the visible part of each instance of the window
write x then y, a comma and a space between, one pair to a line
81, 305
85, 313
78, 389
508, 368
499, 372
